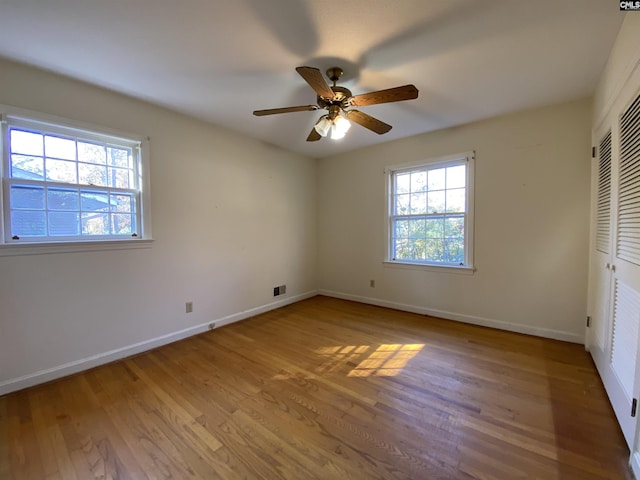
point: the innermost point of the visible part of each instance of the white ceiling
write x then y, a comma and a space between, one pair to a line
219, 60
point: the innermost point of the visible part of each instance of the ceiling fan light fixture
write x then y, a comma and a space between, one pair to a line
323, 125
336, 134
340, 125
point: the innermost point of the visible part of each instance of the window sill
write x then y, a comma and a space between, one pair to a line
71, 247
430, 268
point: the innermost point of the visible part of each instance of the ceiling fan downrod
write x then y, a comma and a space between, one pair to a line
334, 74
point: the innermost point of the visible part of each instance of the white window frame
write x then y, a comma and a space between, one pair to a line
12, 116
468, 267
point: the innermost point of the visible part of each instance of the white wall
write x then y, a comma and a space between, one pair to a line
531, 219
232, 217
623, 60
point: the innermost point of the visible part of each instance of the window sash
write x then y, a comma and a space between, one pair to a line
109, 211
60, 128
449, 243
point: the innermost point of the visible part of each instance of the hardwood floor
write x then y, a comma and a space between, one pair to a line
324, 389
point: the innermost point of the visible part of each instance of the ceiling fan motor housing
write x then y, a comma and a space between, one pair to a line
340, 95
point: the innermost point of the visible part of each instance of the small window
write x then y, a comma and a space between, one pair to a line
430, 219
66, 184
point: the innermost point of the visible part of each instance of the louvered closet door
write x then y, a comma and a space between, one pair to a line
600, 274
625, 341
620, 329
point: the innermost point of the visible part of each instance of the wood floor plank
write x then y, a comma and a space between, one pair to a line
324, 389
44, 422
146, 446
282, 415
5, 456
25, 454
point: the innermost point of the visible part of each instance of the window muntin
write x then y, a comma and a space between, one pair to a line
69, 185
430, 213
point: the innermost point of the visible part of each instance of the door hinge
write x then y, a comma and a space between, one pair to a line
593, 152
588, 321
634, 407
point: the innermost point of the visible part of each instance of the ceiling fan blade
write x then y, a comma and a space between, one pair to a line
273, 111
367, 121
397, 94
314, 78
314, 136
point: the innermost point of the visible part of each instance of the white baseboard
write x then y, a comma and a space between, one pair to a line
472, 319
70, 368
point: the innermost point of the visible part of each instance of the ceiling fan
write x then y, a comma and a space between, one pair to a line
338, 101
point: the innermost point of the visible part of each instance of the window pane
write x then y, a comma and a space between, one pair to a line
62, 199
63, 223
92, 153
435, 227
456, 200
454, 251
418, 203
403, 183
31, 168
436, 179
57, 147
434, 250
416, 249
401, 248
435, 202
95, 223
410, 249
419, 181
61, 171
456, 176
118, 157
417, 228
119, 178
94, 201
92, 174
402, 204
27, 223
122, 224
28, 143
27, 197
122, 203
401, 228
454, 227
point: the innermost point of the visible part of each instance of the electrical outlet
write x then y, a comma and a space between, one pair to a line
212, 325
188, 307
372, 283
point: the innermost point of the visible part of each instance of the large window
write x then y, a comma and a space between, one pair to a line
66, 184
430, 213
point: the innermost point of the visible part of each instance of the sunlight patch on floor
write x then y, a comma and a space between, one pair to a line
386, 360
